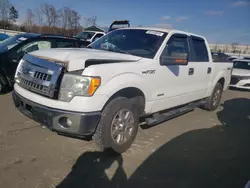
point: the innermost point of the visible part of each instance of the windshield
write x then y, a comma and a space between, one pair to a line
138, 42
11, 42
85, 35
242, 65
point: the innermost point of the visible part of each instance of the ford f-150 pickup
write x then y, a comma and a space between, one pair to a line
103, 90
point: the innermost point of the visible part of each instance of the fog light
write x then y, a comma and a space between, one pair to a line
65, 122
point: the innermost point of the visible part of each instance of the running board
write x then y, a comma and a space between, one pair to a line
161, 117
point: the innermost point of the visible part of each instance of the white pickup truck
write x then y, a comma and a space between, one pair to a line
102, 91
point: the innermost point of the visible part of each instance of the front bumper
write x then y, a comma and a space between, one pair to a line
61, 121
240, 83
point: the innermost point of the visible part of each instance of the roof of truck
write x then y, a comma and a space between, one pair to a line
164, 30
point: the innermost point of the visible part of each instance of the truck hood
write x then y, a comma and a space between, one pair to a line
79, 58
241, 72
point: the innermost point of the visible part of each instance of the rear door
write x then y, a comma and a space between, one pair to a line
200, 65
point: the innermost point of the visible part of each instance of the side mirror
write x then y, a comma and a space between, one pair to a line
180, 59
174, 59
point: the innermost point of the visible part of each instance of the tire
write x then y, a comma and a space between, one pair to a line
214, 100
105, 133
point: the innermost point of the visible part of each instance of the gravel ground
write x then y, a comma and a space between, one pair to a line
199, 149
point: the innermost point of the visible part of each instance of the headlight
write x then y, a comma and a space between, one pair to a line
76, 85
19, 69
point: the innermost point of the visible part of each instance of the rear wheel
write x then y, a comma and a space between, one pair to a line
118, 125
214, 100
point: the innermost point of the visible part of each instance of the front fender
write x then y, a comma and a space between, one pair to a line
121, 81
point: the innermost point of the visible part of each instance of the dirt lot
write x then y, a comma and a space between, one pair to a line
199, 149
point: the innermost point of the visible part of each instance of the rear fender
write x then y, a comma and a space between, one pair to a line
221, 74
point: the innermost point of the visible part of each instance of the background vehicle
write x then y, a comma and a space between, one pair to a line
119, 24
89, 36
220, 57
13, 49
3, 36
102, 91
241, 74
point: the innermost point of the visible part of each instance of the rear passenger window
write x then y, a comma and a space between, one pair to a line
65, 44
200, 53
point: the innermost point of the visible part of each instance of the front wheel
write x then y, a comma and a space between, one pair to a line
118, 125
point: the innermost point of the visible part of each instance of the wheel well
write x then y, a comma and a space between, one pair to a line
222, 81
131, 93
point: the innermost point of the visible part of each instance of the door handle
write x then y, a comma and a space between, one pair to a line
209, 70
191, 71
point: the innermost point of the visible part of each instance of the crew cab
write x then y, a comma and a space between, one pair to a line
102, 91
13, 49
241, 74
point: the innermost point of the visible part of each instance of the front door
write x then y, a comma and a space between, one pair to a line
173, 83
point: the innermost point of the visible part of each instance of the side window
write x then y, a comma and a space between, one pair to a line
97, 36
177, 47
65, 44
36, 45
200, 53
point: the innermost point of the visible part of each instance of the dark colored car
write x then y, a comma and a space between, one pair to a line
3, 36
13, 49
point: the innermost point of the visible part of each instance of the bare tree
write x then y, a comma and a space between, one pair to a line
4, 9
65, 14
73, 19
30, 17
234, 46
91, 21
29, 22
51, 14
39, 16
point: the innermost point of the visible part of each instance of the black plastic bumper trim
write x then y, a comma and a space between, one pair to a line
83, 124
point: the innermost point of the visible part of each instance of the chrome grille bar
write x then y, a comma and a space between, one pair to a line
38, 75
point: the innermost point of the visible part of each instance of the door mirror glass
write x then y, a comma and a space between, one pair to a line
176, 52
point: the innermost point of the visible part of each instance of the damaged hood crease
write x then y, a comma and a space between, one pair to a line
79, 58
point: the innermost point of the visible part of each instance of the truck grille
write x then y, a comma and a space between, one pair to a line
38, 75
